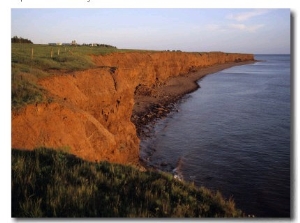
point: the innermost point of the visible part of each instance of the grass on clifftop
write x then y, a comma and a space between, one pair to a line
29, 62
49, 183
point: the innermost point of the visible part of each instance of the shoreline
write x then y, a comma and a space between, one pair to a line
159, 101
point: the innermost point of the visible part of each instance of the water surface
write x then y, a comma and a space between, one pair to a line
233, 135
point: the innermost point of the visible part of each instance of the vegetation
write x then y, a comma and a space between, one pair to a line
97, 44
16, 39
30, 62
52, 183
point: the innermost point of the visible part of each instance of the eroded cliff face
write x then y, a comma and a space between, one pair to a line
91, 113
156, 68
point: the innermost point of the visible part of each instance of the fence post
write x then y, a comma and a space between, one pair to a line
51, 54
32, 53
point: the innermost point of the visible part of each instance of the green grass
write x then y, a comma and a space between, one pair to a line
49, 183
64, 58
28, 67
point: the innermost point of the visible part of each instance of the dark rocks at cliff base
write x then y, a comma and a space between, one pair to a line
154, 112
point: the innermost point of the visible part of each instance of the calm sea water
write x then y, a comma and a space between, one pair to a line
233, 135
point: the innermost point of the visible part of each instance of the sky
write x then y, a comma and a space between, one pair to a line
244, 30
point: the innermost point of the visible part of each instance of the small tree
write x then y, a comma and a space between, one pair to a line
17, 39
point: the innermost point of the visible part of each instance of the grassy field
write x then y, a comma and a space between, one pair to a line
29, 62
51, 183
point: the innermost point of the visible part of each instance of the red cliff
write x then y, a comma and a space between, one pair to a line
91, 113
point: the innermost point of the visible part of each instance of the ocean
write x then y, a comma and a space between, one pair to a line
233, 135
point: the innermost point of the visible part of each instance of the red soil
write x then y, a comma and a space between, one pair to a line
92, 110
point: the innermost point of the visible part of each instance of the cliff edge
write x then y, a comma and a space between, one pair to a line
91, 114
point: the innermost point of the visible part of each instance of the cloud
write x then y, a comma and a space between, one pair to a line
243, 16
237, 26
243, 27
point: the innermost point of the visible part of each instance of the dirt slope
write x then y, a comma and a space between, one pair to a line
91, 116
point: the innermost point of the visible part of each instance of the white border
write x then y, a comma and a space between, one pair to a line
5, 77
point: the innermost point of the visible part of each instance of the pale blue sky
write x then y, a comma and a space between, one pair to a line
228, 30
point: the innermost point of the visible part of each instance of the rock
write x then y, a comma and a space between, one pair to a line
164, 164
